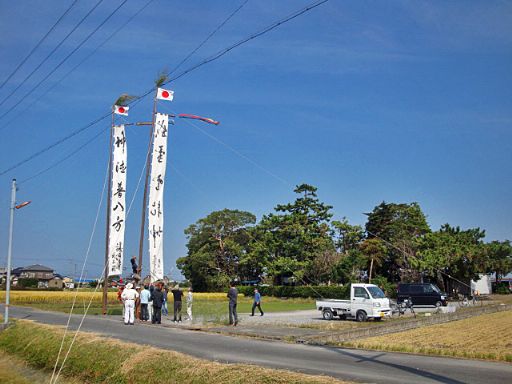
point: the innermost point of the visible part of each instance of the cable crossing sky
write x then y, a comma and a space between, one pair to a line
210, 59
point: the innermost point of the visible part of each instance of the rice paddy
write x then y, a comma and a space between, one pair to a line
487, 337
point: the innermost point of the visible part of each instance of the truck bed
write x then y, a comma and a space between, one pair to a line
333, 303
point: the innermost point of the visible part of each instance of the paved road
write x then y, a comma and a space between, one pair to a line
347, 364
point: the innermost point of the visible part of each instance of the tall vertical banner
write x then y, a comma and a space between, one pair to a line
156, 197
118, 202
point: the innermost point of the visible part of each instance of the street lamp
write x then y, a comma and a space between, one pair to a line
12, 207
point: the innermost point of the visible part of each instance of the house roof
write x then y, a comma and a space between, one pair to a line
37, 268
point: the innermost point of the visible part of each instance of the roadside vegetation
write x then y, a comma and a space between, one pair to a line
95, 359
13, 370
487, 337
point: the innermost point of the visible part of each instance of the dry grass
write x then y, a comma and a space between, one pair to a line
505, 299
487, 337
16, 371
95, 359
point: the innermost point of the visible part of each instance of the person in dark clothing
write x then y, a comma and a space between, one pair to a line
257, 302
177, 294
233, 298
135, 269
158, 299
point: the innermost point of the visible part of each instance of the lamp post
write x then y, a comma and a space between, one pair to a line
9, 249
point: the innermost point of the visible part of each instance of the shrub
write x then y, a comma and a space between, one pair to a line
28, 283
306, 291
390, 289
502, 288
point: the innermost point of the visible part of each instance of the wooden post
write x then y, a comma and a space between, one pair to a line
107, 232
145, 197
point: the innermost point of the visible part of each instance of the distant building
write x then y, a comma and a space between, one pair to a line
56, 282
37, 271
69, 282
45, 276
16, 272
482, 285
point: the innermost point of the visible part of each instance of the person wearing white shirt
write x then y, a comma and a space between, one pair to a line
144, 302
190, 298
129, 296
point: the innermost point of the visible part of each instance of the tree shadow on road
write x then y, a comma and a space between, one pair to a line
415, 371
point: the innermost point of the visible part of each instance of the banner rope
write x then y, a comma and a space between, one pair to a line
82, 272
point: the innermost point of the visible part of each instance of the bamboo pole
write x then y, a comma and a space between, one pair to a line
145, 197
107, 232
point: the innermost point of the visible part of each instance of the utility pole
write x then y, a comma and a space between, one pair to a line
9, 252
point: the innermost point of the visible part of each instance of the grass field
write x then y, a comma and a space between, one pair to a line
207, 307
95, 359
487, 337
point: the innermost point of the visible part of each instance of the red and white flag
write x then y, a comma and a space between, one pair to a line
164, 94
121, 110
23, 204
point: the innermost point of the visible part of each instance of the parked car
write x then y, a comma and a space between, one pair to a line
421, 294
366, 301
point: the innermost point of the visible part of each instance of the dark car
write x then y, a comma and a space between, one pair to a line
421, 294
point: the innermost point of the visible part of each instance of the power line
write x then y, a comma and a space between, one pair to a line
79, 63
71, 154
206, 61
50, 54
38, 44
66, 58
209, 36
56, 143
222, 52
86, 58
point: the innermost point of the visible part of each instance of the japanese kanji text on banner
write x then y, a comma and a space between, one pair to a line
156, 197
118, 203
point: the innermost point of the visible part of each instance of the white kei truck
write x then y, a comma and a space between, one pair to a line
366, 301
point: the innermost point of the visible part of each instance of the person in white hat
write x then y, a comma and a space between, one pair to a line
129, 296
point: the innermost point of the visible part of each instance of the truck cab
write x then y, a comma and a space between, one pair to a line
367, 301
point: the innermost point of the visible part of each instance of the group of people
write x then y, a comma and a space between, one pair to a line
233, 301
149, 302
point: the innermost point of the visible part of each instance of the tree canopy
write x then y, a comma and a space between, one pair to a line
298, 243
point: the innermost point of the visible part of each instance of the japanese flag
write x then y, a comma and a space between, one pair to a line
121, 110
164, 94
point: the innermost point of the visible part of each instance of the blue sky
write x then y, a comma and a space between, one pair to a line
368, 101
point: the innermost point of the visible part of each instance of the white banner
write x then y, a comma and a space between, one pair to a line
117, 203
156, 197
